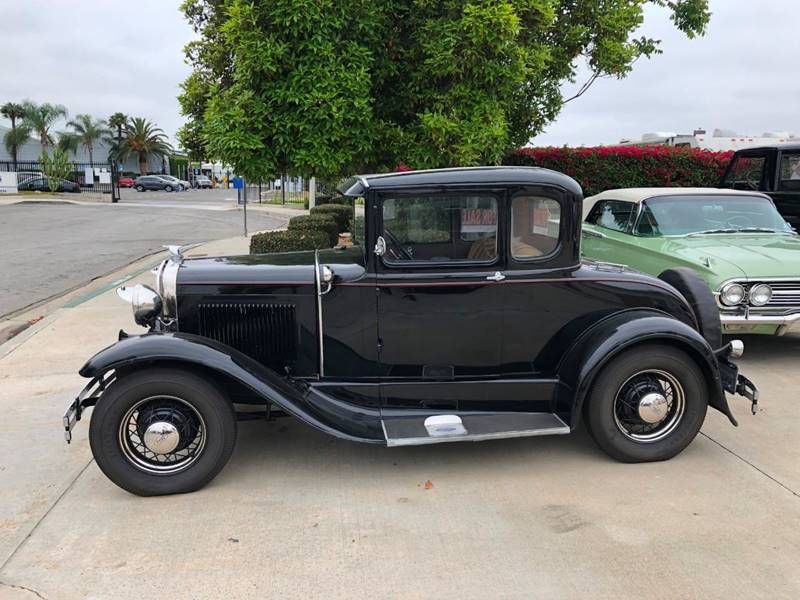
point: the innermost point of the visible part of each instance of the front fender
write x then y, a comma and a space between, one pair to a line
308, 404
596, 347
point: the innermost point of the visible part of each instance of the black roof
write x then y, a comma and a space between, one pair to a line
782, 147
358, 184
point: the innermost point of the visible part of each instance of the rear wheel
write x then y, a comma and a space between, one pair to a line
167, 188
648, 404
162, 431
139, 188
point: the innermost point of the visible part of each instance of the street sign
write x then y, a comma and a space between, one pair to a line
238, 183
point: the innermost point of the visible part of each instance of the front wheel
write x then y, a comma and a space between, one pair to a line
648, 404
162, 431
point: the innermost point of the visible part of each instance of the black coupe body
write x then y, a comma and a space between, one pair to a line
462, 311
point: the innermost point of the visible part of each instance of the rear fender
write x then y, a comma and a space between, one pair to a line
343, 420
581, 364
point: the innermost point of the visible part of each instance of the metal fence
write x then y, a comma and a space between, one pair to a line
96, 181
285, 190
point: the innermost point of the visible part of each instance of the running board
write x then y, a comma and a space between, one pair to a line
416, 430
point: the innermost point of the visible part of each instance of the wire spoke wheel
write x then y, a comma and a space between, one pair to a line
649, 406
162, 435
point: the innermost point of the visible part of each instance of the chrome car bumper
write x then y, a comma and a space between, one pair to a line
86, 399
741, 322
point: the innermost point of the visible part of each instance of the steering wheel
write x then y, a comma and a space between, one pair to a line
397, 245
740, 221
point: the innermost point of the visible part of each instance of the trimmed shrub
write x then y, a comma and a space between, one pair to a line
316, 222
609, 167
288, 241
340, 212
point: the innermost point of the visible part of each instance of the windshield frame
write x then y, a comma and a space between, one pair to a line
756, 195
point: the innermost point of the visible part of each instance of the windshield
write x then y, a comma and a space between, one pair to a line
682, 215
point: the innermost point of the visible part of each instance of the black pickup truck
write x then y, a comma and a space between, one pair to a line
774, 170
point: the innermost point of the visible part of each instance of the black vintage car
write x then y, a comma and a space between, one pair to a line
774, 170
460, 312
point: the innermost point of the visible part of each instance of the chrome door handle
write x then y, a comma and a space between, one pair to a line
498, 276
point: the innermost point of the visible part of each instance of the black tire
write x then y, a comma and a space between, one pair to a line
700, 298
201, 396
167, 188
139, 188
626, 372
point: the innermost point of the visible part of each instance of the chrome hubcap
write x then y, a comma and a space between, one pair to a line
649, 406
161, 437
653, 407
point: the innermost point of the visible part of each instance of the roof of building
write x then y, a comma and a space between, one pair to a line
637, 195
357, 185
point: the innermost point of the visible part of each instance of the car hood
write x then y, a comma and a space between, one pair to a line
742, 254
287, 268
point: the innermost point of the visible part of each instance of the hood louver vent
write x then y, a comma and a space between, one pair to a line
265, 332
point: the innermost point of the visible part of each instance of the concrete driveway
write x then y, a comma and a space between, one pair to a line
48, 248
297, 514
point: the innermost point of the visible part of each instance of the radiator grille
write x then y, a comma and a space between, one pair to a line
265, 332
784, 294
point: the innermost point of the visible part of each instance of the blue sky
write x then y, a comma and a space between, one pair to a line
100, 56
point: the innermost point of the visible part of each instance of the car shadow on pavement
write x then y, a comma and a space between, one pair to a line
296, 446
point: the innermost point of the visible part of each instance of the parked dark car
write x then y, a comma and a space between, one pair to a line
126, 182
461, 312
153, 183
42, 184
774, 170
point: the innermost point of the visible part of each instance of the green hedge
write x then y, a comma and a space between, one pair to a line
316, 222
610, 167
341, 213
288, 241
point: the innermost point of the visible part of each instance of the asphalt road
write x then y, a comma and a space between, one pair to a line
49, 248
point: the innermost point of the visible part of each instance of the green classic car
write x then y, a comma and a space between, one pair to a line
735, 240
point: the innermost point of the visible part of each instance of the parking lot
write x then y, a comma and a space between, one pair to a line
296, 511
49, 248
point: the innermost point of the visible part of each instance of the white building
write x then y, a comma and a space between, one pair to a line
719, 141
32, 150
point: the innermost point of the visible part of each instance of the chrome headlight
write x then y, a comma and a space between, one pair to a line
732, 294
760, 294
145, 302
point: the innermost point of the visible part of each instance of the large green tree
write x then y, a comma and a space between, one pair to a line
324, 86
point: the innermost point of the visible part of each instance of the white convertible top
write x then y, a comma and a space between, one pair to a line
637, 195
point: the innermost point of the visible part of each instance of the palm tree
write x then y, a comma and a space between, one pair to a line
143, 138
40, 118
88, 131
116, 121
68, 142
17, 136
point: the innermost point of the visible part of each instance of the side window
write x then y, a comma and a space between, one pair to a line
746, 173
535, 226
440, 227
611, 214
790, 172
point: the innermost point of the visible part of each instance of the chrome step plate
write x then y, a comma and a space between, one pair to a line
416, 430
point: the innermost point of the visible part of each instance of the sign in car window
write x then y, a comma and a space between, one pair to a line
8, 182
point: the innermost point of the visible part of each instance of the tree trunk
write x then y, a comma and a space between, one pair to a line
142, 164
91, 158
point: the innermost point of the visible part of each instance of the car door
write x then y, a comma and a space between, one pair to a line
606, 233
438, 298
